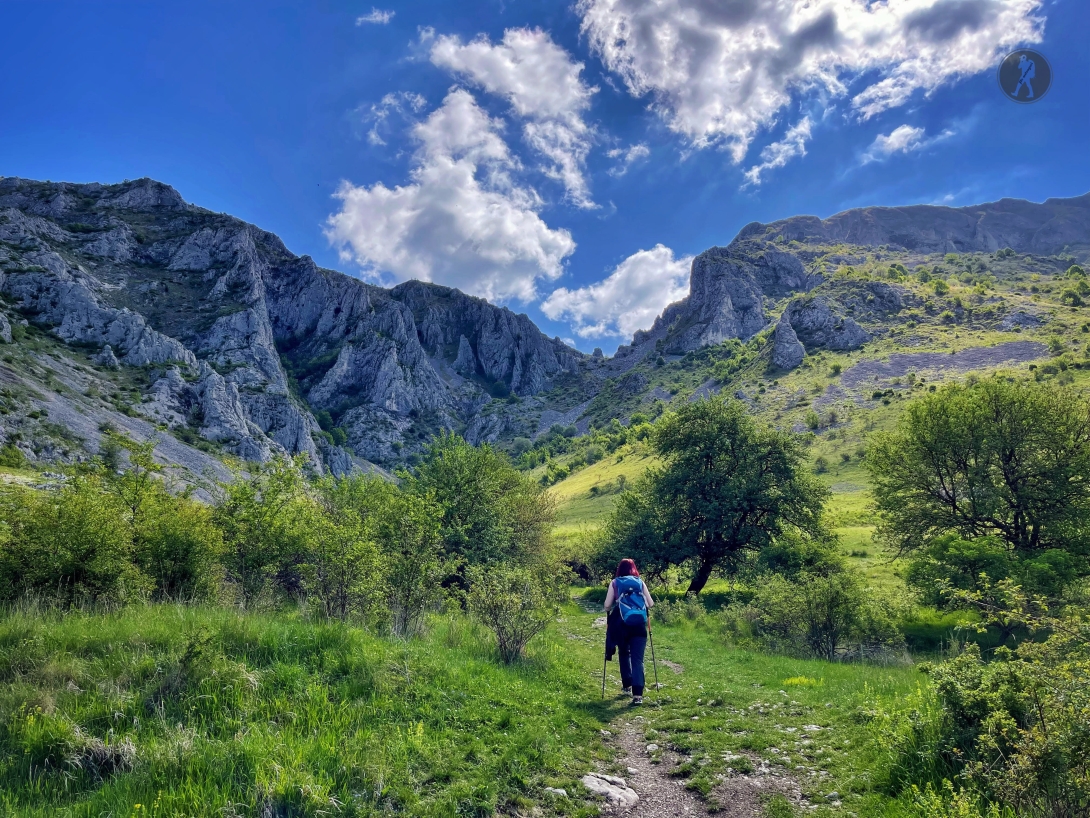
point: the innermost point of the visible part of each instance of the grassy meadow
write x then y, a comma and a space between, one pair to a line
168, 710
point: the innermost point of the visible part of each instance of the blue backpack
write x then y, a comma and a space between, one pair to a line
630, 601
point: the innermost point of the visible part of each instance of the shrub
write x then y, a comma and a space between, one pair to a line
593, 454
836, 369
940, 287
521, 445
515, 602
828, 616
408, 529
12, 457
259, 515
70, 547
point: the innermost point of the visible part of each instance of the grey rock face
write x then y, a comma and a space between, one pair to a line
106, 359
509, 347
1026, 227
466, 362
817, 324
787, 350
727, 291
249, 336
1019, 318
5, 329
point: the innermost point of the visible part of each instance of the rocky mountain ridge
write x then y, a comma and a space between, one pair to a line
251, 345
208, 330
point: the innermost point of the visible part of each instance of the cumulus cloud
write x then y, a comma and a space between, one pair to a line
903, 139
780, 153
461, 221
720, 71
544, 88
633, 295
627, 156
378, 16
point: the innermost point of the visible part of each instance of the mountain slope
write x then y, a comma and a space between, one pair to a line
247, 343
145, 312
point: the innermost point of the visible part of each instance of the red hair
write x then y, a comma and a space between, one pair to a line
626, 568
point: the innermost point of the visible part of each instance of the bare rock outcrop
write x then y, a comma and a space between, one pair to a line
817, 324
787, 350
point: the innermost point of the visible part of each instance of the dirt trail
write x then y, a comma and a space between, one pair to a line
660, 795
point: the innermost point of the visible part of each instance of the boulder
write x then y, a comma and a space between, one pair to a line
817, 324
787, 350
5, 329
106, 358
614, 790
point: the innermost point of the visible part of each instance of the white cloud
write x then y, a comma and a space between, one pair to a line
543, 85
780, 153
403, 103
378, 16
631, 298
627, 157
461, 221
903, 139
720, 71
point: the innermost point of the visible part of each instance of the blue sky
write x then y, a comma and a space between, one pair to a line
566, 159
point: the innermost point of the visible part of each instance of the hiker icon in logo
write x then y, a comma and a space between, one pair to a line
1025, 76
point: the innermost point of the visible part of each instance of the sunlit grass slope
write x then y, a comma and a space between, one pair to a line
164, 711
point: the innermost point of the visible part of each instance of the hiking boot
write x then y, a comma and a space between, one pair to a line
627, 691
637, 700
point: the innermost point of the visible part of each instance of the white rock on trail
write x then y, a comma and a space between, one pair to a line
615, 790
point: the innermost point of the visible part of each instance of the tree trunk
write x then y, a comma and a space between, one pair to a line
700, 578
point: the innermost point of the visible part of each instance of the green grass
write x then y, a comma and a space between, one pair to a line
169, 710
212, 708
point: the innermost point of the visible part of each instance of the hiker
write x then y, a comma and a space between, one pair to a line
627, 625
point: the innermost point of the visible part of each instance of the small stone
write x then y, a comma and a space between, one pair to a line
833, 796
652, 748
557, 791
632, 771
605, 733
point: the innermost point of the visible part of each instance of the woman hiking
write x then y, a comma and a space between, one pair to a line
627, 605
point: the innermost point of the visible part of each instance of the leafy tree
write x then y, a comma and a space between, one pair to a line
343, 568
1002, 458
726, 489
70, 546
259, 515
825, 614
490, 510
408, 528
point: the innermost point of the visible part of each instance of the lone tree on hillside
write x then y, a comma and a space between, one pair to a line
1000, 458
726, 488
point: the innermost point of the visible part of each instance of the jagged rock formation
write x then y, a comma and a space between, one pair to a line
177, 319
730, 287
787, 350
818, 324
248, 341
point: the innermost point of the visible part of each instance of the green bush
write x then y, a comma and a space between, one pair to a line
1012, 732
831, 616
515, 602
69, 547
12, 457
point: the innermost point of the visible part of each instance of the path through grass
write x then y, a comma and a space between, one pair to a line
170, 710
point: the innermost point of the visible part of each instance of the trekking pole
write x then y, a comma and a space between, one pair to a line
654, 664
603, 674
